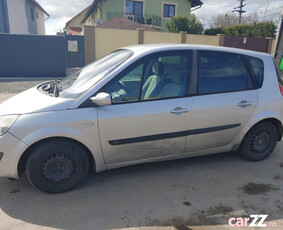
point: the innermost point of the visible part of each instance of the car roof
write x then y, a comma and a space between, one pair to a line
149, 48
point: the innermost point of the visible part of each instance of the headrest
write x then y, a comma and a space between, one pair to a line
179, 75
158, 68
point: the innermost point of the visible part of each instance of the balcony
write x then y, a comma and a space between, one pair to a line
147, 19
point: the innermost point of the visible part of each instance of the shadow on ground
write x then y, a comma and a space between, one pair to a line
195, 191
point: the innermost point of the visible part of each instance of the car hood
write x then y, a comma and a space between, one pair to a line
33, 101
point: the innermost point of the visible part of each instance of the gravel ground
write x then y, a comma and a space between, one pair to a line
13, 87
17, 86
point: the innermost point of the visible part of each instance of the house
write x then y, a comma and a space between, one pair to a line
122, 23
152, 13
22, 17
75, 25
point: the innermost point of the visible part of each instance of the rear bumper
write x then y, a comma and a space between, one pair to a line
11, 149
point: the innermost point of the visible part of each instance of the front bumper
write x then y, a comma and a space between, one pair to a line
12, 149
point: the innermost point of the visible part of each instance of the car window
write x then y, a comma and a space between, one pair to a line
256, 66
79, 82
221, 72
167, 77
126, 87
158, 76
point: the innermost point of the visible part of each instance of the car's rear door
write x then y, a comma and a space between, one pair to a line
148, 119
225, 99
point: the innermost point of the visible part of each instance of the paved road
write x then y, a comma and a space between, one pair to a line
196, 193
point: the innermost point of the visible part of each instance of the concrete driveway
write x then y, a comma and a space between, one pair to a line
195, 193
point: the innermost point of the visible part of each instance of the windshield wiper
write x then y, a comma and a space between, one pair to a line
53, 88
56, 87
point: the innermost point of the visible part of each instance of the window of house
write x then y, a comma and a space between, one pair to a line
169, 10
134, 7
221, 72
32, 14
158, 76
36, 15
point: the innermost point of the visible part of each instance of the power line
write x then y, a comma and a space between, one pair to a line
240, 10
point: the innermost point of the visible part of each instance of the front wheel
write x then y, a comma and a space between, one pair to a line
57, 166
259, 142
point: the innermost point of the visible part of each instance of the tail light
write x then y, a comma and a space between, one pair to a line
281, 88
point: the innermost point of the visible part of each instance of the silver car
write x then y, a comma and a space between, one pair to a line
142, 104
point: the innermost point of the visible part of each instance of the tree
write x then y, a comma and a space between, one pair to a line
223, 20
259, 30
265, 14
214, 31
182, 23
231, 19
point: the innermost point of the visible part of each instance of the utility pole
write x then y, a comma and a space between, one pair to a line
240, 10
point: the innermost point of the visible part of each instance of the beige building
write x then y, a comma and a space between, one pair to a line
85, 18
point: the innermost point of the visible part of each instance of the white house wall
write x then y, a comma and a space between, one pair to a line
40, 22
17, 17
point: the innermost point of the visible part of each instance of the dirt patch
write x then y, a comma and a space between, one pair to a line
180, 186
248, 206
15, 191
178, 223
212, 216
277, 178
219, 210
256, 189
281, 164
187, 203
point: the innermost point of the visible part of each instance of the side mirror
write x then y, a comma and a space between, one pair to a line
102, 99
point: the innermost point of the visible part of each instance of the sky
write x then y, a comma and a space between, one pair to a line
62, 11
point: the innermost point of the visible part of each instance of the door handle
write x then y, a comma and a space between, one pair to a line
244, 104
179, 110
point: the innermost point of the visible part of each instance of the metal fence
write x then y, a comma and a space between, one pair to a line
148, 19
255, 44
75, 55
36, 56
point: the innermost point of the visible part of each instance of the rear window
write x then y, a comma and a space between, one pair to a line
221, 72
256, 66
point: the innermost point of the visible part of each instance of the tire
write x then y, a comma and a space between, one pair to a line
259, 142
57, 166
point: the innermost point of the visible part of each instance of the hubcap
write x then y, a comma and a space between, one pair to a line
260, 141
58, 167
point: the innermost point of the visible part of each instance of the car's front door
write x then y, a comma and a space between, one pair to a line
224, 102
150, 109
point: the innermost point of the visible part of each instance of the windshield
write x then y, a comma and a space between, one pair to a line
79, 82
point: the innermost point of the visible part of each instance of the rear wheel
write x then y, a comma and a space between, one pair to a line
57, 166
259, 142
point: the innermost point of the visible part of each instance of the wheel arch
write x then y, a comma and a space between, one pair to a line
24, 157
276, 123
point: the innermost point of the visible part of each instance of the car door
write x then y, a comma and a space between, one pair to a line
148, 119
225, 100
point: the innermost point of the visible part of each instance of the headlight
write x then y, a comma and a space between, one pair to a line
6, 123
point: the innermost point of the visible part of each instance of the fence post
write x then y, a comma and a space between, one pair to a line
270, 45
183, 37
140, 35
221, 39
89, 40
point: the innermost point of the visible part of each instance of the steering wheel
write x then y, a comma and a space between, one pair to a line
124, 87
